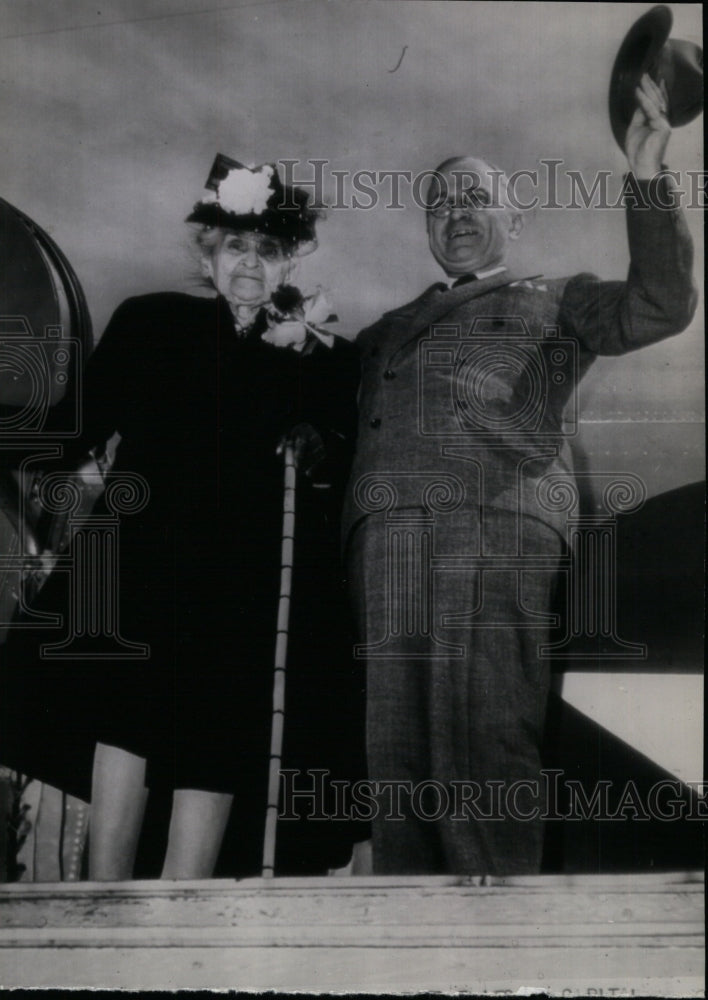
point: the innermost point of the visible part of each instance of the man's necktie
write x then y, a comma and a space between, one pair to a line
440, 286
464, 279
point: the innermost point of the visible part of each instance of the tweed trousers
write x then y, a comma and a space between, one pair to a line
456, 688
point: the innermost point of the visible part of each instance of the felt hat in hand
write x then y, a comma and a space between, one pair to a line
647, 48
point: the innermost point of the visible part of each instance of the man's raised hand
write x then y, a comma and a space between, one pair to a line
649, 130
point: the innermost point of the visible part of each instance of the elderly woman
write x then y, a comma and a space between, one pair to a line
204, 392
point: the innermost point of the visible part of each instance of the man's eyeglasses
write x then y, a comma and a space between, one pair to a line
466, 203
266, 247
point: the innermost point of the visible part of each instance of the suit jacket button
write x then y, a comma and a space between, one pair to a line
389, 374
375, 423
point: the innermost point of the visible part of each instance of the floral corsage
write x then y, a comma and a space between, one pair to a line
294, 320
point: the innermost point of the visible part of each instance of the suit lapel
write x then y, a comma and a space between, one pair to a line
436, 305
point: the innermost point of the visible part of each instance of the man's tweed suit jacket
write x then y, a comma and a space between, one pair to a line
475, 381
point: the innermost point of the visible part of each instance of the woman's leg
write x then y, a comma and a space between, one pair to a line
118, 797
196, 830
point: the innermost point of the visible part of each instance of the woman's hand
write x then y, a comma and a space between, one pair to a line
36, 570
308, 448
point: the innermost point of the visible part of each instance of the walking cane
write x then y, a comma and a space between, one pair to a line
281, 652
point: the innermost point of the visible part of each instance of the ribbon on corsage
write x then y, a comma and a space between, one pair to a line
291, 316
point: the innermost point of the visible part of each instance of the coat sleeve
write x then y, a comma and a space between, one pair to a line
332, 407
108, 386
658, 298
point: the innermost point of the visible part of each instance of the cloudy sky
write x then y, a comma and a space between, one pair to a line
112, 111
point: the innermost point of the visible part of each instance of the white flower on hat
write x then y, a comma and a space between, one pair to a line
243, 191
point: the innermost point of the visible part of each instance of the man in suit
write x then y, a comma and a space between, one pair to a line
452, 530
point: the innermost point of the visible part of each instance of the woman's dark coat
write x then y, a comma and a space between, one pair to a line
200, 413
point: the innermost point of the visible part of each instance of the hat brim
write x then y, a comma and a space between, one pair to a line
293, 231
638, 51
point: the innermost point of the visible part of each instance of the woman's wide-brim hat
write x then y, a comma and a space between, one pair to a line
254, 199
647, 48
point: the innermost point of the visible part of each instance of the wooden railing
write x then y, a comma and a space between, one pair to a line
567, 935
